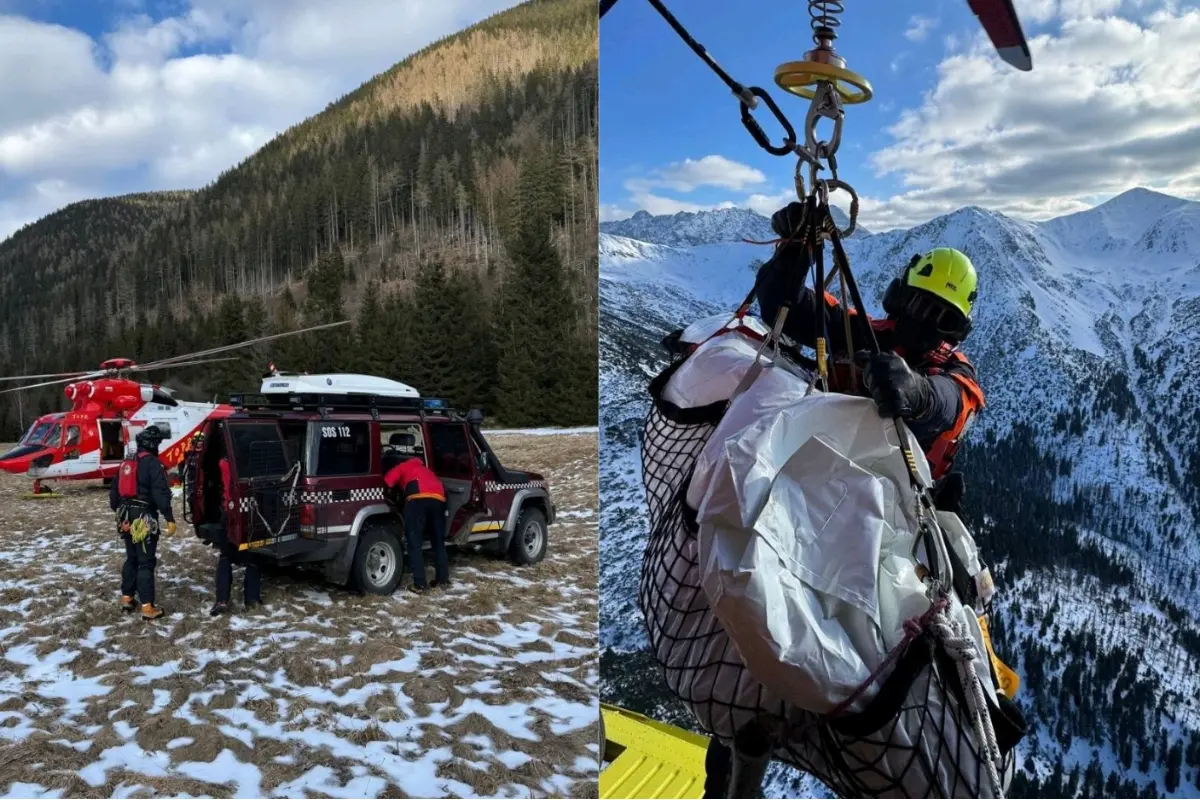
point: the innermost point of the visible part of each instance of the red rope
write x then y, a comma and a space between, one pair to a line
913, 628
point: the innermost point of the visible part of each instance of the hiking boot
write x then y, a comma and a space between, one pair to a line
218, 609
128, 603
151, 611
417, 589
253, 604
439, 584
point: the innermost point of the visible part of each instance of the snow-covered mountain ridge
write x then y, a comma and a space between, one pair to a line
1085, 463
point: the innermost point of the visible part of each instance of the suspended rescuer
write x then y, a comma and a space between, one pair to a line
230, 555
138, 495
919, 374
424, 513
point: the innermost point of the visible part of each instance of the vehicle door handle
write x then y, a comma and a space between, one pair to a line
457, 489
340, 494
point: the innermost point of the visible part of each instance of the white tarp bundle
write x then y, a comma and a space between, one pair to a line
807, 530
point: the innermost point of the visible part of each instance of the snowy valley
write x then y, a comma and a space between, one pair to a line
1083, 474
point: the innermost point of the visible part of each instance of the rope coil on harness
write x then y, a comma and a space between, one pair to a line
958, 644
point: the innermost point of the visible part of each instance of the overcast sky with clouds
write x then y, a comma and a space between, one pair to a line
1111, 104
116, 96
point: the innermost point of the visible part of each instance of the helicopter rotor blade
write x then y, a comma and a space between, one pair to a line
1002, 25
173, 364
183, 360
85, 376
224, 348
43, 375
89, 375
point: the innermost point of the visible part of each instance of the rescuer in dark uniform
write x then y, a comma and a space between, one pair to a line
424, 512
139, 494
230, 555
919, 374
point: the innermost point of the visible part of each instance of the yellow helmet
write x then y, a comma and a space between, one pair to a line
946, 274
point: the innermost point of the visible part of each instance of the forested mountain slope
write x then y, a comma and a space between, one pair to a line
447, 205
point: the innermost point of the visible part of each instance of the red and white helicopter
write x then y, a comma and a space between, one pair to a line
108, 408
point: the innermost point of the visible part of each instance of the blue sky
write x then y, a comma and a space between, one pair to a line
929, 64
104, 97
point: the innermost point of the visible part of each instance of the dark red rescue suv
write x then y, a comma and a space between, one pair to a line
307, 484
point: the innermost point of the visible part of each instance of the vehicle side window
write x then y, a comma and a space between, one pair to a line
451, 457
342, 448
399, 440
53, 436
164, 428
72, 435
258, 450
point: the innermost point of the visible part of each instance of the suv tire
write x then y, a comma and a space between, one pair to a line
378, 561
529, 540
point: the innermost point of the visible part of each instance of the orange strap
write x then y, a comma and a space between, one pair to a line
941, 453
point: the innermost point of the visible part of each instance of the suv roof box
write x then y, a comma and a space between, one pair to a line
335, 384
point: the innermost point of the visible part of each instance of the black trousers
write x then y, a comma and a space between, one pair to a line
137, 575
718, 768
426, 516
251, 583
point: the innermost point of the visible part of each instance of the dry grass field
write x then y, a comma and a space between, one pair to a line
486, 688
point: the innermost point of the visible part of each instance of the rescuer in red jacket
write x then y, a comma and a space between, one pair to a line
424, 513
230, 555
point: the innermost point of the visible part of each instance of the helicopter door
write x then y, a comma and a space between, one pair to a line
111, 447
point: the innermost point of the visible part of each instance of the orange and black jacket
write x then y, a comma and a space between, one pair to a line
956, 395
415, 481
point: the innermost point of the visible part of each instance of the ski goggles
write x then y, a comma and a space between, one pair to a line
932, 311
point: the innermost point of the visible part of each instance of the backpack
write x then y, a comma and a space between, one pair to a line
127, 477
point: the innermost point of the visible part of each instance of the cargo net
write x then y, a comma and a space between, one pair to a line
275, 514
274, 508
914, 737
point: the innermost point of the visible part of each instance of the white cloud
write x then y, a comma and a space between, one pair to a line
919, 28
657, 204
613, 213
92, 113
689, 175
1110, 105
36, 200
768, 204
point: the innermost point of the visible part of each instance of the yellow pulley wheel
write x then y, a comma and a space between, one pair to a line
801, 78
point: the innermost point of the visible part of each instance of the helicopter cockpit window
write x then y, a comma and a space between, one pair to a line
37, 433
72, 436
53, 436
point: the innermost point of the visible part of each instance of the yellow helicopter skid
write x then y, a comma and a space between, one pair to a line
40, 496
648, 758
802, 77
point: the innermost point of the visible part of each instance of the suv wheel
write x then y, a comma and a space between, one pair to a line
378, 561
529, 539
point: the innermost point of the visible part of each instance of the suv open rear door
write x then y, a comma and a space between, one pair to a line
264, 510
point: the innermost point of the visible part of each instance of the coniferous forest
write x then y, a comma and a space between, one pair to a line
447, 207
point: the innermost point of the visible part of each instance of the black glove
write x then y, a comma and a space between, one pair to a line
786, 221
895, 388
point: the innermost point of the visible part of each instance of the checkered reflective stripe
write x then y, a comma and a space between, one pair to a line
323, 497
354, 496
494, 486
